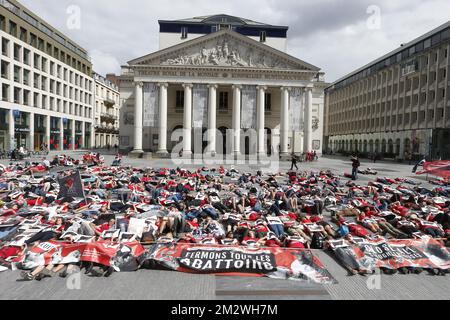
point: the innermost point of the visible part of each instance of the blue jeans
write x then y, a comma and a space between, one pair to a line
278, 229
354, 173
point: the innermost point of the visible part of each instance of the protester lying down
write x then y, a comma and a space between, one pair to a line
95, 205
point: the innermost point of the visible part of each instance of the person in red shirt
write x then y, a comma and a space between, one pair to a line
272, 240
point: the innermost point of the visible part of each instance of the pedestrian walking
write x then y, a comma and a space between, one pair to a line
355, 166
294, 162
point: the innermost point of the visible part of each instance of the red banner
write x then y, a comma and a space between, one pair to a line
366, 255
121, 256
280, 263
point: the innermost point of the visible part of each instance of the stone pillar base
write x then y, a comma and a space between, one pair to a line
136, 154
163, 154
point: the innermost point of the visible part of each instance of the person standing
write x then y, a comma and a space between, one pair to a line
294, 162
355, 166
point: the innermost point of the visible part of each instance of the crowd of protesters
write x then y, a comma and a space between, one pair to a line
207, 206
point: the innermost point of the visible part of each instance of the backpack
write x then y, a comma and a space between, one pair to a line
317, 241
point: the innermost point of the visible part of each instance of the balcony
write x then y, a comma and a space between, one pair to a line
108, 118
109, 102
106, 129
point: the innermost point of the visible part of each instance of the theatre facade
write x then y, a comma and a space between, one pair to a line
221, 93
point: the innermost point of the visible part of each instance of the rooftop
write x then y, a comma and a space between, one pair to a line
382, 61
222, 18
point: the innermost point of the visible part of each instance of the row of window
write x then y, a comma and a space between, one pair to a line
104, 93
41, 63
405, 54
37, 42
384, 79
395, 120
223, 100
40, 82
24, 96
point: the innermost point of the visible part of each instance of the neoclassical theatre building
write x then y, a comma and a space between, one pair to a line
222, 85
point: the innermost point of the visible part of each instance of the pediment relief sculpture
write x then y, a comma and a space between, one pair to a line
226, 52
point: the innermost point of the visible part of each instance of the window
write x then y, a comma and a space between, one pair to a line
17, 95
26, 56
2, 23
36, 80
179, 104
5, 92
223, 100
268, 101
5, 69
40, 44
5, 45
36, 61
26, 77
435, 39
427, 43
12, 29
17, 52
184, 32
214, 28
23, 35
262, 36
16, 74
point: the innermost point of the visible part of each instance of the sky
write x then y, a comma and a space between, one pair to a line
338, 36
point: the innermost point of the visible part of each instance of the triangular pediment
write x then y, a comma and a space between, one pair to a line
225, 48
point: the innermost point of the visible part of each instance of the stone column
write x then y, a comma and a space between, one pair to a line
307, 139
187, 120
284, 123
162, 149
11, 129
31, 115
61, 134
260, 120
212, 106
237, 119
47, 131
138, 115
72, 134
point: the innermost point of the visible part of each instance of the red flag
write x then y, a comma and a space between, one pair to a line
437, 168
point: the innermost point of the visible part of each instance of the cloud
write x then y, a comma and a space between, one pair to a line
331, 34
104, 62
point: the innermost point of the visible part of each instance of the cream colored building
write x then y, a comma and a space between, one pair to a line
238, 93
107, 112
46, 84
396, 105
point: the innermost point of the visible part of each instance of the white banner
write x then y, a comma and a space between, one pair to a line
248, 114
151, 104
296, 110
200, 106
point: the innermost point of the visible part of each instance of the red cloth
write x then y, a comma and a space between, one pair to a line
9, 251
102, 227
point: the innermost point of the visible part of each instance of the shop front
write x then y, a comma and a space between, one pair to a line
39, 131
87, 134
4, 125
55, 133
67, 134
21, 129
78, 135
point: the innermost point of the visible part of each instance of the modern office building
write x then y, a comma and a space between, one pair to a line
396, 105
218, 75
107, 111
46, 93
